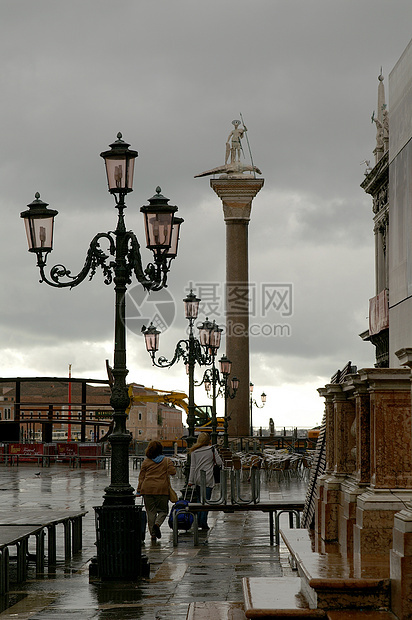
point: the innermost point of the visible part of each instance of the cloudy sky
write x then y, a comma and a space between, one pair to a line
171, 75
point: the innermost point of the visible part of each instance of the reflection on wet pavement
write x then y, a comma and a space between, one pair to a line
236, 545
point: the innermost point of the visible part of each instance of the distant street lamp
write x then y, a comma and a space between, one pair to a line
120, 262
211, 379
253, 402
191, 350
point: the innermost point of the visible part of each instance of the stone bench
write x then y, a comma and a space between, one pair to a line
276, 597
215, 610
328, 580
354, 614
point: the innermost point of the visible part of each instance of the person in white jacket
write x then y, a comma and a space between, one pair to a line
203, 456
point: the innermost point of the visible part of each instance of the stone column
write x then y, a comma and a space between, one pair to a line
329, 430
322, 514
340, 415
391, 437
344, 441
237, 194
357, 480
390, 463
363, 438
401, 564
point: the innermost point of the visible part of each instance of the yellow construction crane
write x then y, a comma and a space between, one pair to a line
159, 396
178, 399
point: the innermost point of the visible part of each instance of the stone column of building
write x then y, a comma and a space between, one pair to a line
356, 481
401, 564
390, 484
323, 500
339, 432
237, 194
363, 439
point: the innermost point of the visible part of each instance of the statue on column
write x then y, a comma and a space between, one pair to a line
379, 133
235, 148
381, 121
385, 123
233, 151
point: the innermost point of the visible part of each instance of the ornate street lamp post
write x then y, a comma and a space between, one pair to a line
191, 350
225, 369
253, 402
120, 262
211, 379
210, 335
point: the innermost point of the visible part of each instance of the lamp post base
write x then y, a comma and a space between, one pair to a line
119, 534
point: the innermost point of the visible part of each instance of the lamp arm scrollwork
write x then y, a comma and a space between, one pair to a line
254, 402
230, 393
181, 351
153, 277
184, 350
95, 258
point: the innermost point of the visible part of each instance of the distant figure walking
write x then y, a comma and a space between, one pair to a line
202, 457
153, 484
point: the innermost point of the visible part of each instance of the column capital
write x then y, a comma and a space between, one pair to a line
405, 357
236, 196
391, 379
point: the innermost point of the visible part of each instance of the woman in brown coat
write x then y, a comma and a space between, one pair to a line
153, 484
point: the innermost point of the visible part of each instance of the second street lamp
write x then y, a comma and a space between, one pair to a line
192, 350
120, 262
225, 369
211, 379
210, 335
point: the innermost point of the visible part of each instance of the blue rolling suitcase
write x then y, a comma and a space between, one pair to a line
184, 519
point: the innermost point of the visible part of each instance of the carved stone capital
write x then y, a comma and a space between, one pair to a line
237, 196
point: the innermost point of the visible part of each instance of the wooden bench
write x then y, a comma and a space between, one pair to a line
274, 509
328, 580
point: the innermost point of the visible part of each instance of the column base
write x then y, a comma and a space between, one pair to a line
350, 491
401, 565
373, 531
328, 507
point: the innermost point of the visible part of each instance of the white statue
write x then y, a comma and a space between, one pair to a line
233, 149
379, 133
385, 123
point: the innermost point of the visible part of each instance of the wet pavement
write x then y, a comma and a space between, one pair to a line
237, 545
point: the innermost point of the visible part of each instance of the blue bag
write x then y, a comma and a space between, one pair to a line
184, 519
